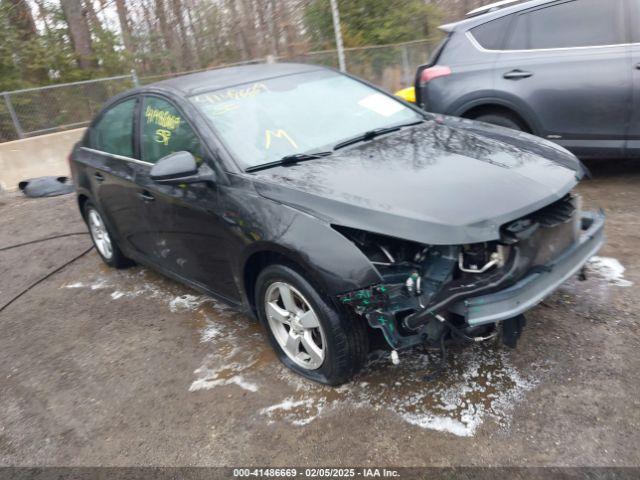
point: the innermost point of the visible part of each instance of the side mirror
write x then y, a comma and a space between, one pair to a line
179, 167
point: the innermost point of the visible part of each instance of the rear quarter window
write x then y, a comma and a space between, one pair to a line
491, 35
575, 23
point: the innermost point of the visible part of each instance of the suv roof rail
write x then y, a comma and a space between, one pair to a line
491, 7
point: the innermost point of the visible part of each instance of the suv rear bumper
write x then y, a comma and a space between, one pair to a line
534, 288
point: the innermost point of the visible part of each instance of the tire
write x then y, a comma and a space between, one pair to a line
102, 238
343, 339
502, 120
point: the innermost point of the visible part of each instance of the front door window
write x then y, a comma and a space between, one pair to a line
165, 131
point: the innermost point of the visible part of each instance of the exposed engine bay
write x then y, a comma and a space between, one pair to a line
422, 282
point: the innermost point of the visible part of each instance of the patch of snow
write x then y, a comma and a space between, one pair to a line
479, 383
210, 332
117, 294
298, 412
443, 424
185, 302
610, 269
99, 284
210, 378
95, 285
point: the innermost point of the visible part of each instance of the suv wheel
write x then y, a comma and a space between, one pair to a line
309, 335
102, 238
502, 120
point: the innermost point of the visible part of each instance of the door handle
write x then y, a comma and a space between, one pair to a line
637, 66
99, 177
517, 75
146, 196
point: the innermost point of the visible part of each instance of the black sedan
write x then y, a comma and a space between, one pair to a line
330, 209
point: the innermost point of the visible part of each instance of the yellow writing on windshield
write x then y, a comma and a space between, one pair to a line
222, 109
233, 94
278, 134
163, 136
162, 118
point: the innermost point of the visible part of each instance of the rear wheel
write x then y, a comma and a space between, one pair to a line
309, 335
502, 120
102, 239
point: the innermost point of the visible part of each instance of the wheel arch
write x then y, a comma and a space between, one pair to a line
486, 109
82, 199
473, 108
262, 256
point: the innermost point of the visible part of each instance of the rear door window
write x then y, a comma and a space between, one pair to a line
165, 131
491, 35
576, 23
114, 131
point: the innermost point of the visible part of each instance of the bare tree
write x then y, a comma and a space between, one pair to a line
76, 17
187, 57
236, 22
273, 30
125, 26
167, 33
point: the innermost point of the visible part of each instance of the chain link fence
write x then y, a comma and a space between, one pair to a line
389, 66
36, 111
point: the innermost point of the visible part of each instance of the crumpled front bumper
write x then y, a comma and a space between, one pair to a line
534, 288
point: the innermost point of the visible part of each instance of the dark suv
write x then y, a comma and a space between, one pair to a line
565, 70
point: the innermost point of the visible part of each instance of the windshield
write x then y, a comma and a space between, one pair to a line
264, 121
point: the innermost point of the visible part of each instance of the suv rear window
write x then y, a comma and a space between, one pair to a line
491, 35
577, 23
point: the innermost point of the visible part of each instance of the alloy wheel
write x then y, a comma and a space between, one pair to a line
295, 325
100, 235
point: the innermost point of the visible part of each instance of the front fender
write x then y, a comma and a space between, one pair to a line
335, 264
261, 225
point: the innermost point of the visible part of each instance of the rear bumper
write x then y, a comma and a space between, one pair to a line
535, 287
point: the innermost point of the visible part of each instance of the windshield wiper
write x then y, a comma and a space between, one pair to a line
288, 160
371, 134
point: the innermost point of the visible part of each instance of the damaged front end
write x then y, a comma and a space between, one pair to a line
431, 290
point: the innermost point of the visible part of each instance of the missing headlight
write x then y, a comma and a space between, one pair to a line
481, 258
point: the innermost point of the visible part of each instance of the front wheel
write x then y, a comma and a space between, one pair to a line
309, 335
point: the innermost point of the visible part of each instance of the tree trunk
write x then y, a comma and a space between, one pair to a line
125, 26
76, 16
191, 21
239, 31
274, 31
167, 34
249, 27
187, 57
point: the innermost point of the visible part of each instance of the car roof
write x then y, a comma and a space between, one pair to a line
482, 18
227, 77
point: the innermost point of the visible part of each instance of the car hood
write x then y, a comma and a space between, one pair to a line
447, 181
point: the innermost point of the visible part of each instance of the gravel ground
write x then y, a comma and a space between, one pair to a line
124, 368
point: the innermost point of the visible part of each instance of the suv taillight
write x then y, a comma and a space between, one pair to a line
434, 72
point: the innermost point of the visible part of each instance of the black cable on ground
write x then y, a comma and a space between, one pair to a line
50, 274
63, 235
